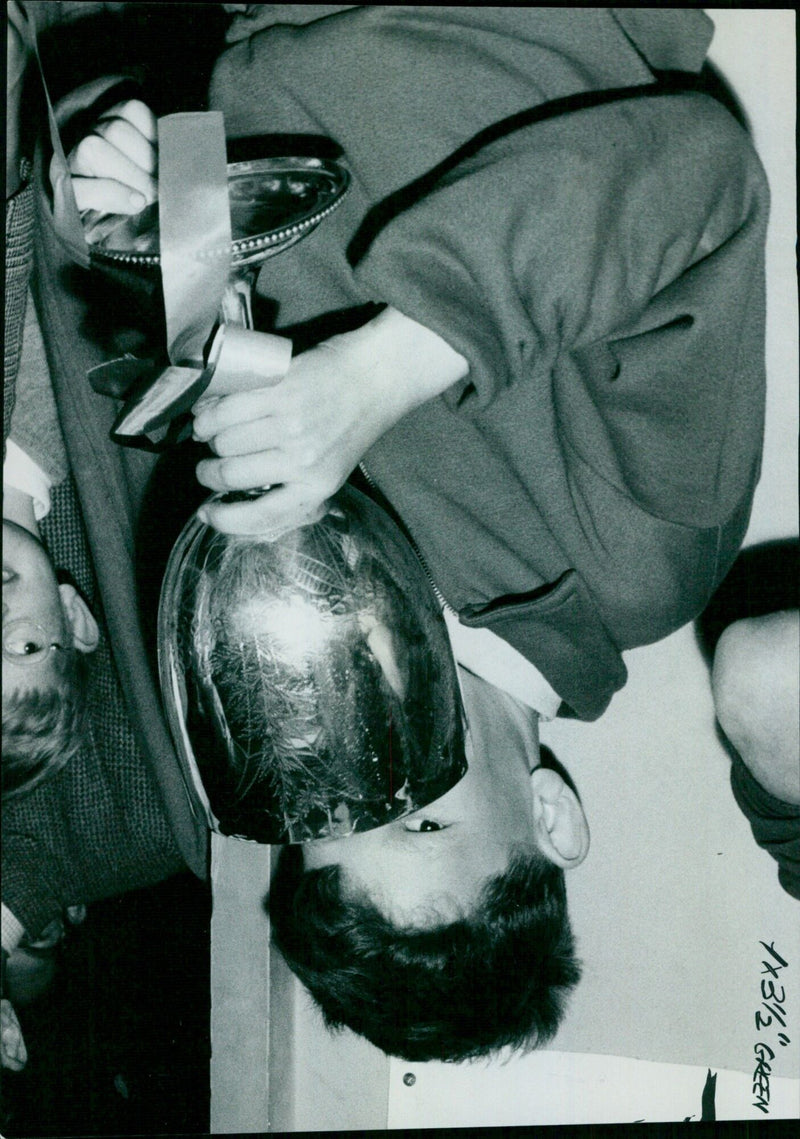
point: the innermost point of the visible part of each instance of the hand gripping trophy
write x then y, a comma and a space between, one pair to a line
308, 681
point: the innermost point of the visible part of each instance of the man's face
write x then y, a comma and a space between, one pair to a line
31, 597
430, 866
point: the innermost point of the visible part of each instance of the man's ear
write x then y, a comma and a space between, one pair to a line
560, 826
85, 633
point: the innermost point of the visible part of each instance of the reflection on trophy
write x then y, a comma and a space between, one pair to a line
309, 681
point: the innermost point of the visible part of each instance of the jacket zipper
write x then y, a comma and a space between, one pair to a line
445, 604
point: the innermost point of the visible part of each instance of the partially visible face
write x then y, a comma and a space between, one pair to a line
430, 866
30, 591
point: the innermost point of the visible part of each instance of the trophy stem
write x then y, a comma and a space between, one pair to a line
236, 307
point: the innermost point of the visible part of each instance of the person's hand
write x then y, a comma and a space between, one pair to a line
305, 433
113, 168
13, 1053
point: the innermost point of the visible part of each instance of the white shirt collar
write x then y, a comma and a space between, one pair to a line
26, 476
493, 659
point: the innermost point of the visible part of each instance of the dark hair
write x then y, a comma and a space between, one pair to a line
497, 976
44, 728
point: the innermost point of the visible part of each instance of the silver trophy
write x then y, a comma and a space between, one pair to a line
309, 681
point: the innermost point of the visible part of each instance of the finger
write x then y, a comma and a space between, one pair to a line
95, 157
138, 114
244, 472
129, 141
270, 516
242, 407
106, 196
247, 438
205, 403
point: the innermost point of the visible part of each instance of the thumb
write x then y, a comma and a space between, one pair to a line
245, 359
269, 516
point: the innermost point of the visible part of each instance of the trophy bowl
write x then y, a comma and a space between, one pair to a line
274, 202
309, 681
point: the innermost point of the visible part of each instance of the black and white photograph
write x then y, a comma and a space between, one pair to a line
401, 633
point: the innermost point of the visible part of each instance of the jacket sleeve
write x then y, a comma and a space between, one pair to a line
95, 830
615, 254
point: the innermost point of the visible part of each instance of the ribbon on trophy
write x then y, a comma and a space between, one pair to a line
195, 254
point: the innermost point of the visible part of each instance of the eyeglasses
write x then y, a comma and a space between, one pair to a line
25, 642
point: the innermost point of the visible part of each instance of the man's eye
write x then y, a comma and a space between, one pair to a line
422, 825
24, 647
